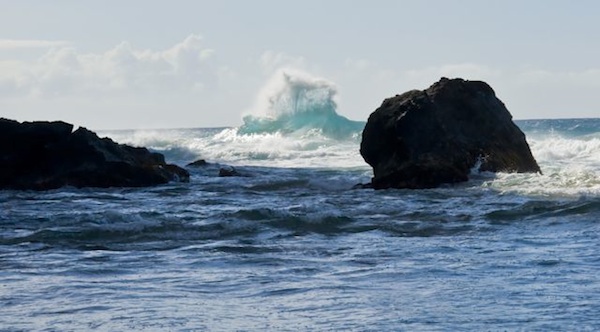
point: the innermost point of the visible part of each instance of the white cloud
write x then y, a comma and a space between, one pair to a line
127, 86
62, 71
11, 44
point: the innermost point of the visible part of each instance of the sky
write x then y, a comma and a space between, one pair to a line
174, 64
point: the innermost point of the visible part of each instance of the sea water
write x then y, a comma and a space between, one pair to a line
290, 246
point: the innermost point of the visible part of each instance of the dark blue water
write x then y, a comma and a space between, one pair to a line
291, 247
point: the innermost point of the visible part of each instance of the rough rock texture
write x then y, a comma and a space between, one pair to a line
48, 155
422, 139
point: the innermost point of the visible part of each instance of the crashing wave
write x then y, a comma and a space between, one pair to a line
296, 102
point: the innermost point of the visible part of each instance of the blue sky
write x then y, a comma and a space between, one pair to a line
155, 64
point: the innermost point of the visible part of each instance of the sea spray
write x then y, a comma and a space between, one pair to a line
294, 101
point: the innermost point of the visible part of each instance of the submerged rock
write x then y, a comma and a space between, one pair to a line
228, 171
422, 139
49, 155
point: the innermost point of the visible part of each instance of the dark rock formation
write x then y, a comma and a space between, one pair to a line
197, 163
422, 139
207, 169
48, 155
228, 171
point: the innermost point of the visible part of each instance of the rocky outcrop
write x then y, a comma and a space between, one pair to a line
48, 155
197, 163
422, 139
228, 171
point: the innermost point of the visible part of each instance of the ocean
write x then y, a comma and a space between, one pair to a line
290, 246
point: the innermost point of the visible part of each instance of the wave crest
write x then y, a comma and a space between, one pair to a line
292, 102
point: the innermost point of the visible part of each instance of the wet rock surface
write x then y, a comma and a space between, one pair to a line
422, 139
48, 155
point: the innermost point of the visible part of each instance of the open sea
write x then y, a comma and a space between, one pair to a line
290, 246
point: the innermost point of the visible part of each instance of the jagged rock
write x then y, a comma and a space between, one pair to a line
48, 155
197, 163
422, 139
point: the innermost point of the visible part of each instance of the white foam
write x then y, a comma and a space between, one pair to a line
556, 149
299, 149
306, 149
570, 166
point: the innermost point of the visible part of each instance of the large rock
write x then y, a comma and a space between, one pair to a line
422, 139
48, 155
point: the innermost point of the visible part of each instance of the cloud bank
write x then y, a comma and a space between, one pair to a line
64, 71
186, 84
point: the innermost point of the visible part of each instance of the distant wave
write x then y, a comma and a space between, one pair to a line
579, 128
297, 102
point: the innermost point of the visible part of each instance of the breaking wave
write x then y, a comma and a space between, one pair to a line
295, 102
566, 150
294, 123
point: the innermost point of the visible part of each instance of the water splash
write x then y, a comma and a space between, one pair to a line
295, 102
